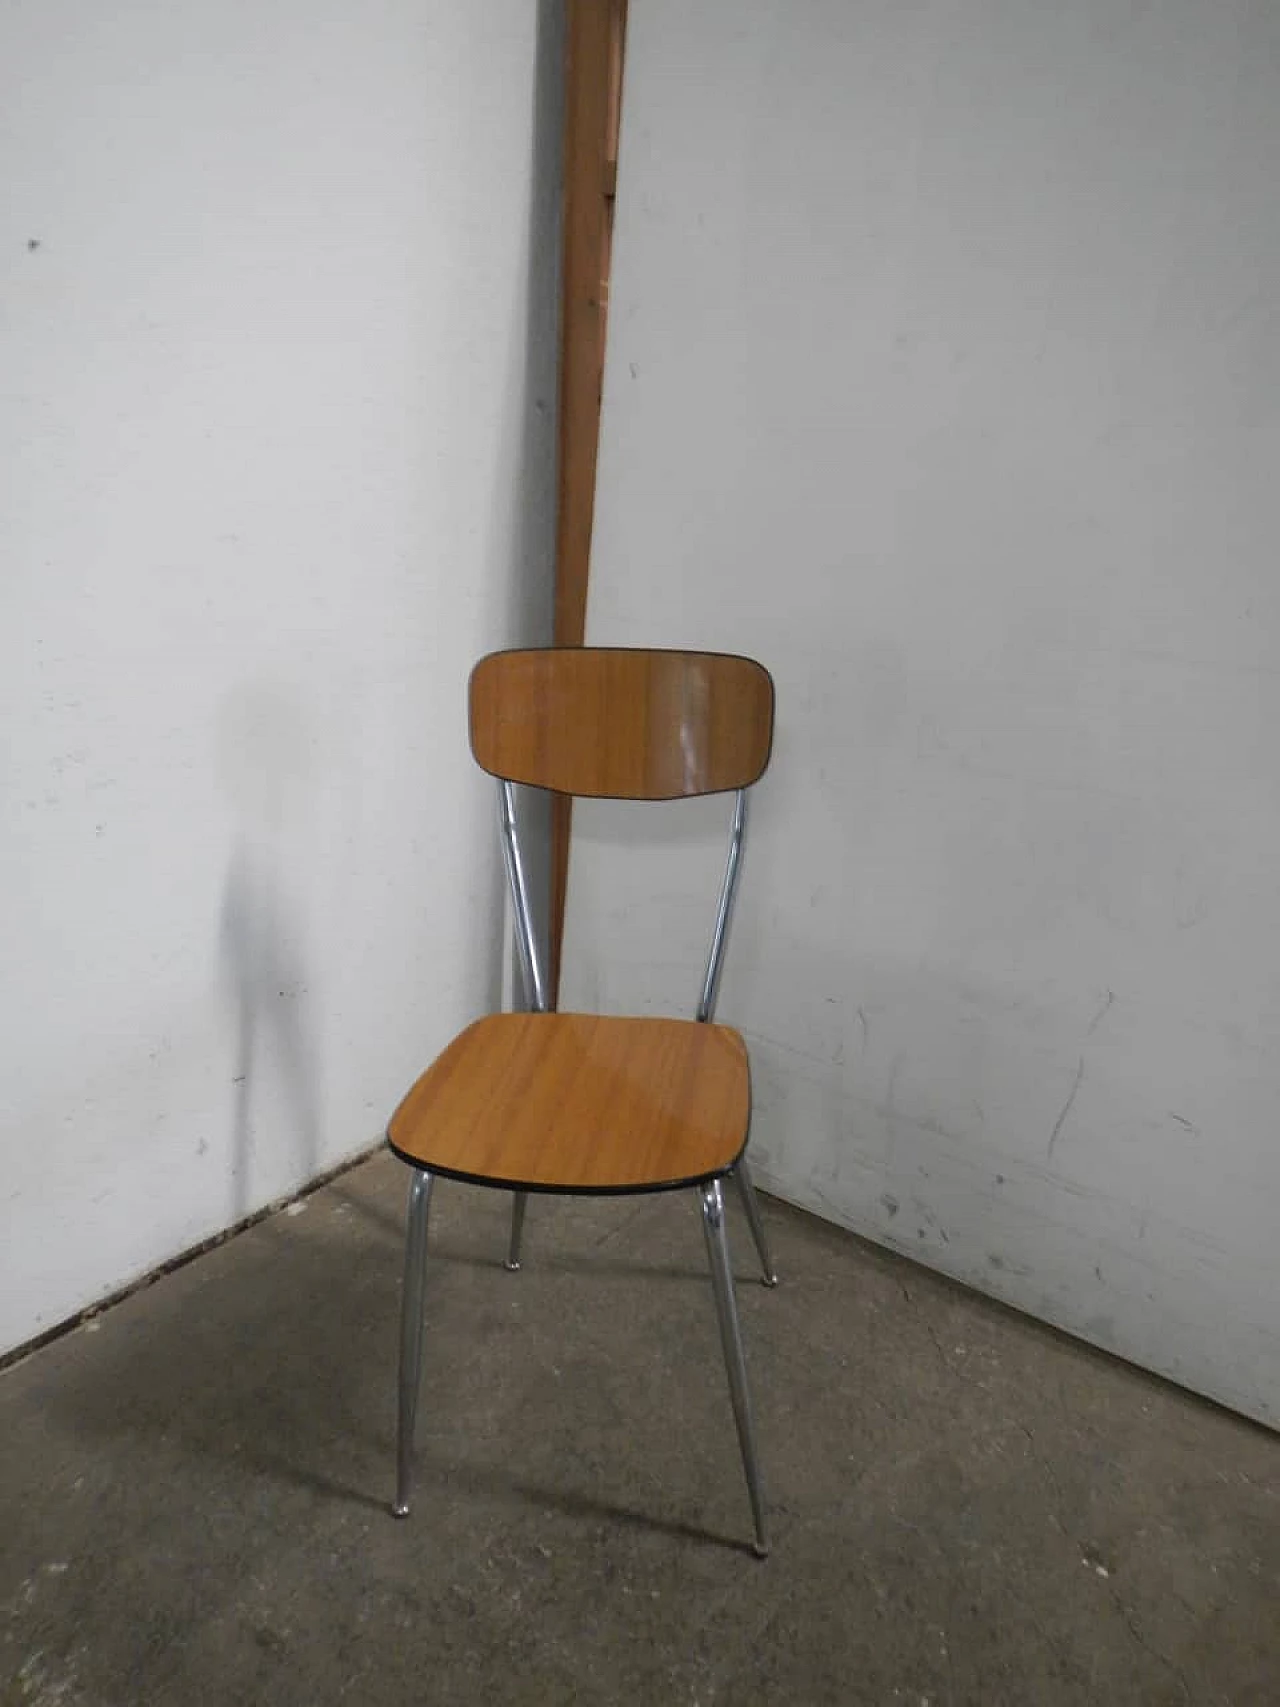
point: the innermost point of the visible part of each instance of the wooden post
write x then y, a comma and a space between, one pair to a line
594, 42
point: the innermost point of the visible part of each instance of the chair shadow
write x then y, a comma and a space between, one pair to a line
315, 1482
266, 964
554, 1262
372, 1214
272, 1361
489, 1480
254, 1358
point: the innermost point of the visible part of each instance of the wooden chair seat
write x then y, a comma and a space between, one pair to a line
580, 1103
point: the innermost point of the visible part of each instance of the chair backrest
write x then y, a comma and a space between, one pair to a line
622, 724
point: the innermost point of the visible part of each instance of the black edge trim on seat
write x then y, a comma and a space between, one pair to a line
646, 1190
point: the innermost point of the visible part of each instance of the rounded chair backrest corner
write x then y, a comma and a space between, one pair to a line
622, 722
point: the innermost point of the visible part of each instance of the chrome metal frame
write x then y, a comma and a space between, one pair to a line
519, 1203
751, 1204
706, 1013
711, 1194
411, 1330
724, 911
535, 982
713, 1226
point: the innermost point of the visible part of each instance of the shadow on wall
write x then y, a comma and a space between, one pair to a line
521, 540
264, 741
263, 762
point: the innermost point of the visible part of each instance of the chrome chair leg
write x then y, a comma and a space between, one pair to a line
411, 1330
518, 1205
713, 1226
751, 1203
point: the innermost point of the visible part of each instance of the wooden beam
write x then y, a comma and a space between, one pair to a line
595, 37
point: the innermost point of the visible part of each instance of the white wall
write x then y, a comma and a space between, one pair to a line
276, 427
944, 376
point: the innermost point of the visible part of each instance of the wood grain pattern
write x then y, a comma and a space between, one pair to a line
580, 1103
595, 37
634, 725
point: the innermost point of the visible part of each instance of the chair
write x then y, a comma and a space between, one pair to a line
542, 1101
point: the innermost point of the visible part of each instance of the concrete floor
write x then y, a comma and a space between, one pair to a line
966, 1508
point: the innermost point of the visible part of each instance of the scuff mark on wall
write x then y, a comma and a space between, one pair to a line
1061, 1121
